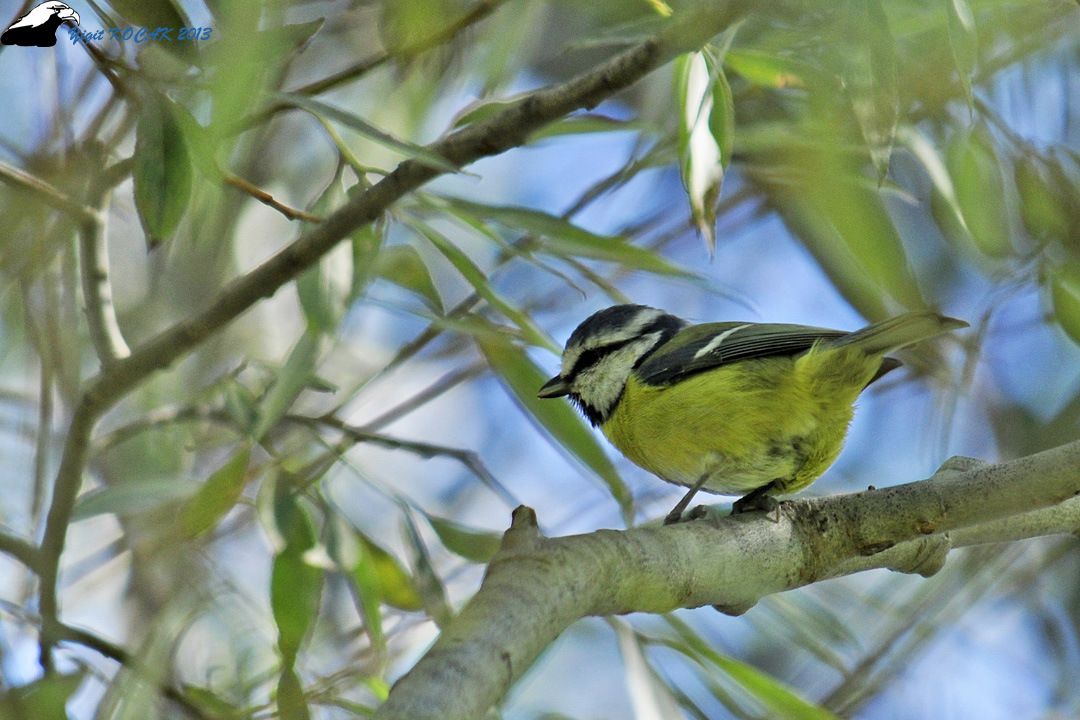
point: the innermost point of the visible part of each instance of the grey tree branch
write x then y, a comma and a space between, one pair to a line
506, 129
535, 587
96, 287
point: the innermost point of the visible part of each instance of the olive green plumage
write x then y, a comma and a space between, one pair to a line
741, 407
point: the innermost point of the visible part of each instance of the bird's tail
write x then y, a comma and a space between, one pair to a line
900, 331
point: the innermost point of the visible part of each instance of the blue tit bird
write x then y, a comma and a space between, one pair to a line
733, 408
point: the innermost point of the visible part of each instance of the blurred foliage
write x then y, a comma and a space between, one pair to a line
316, 487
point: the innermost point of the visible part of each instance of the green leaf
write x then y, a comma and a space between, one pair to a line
699, 153
292, 705
650, 696
42, 699
1065, 296
474, 545
350, 556
476, 277
767, 69
217, 496
291, 380
428, 584
135, 496
963, 41
295, 590
722, 117
1044, 216
403, 266
563, 237
355, 123
241, 405
845, 223
781, 701
583, 124
395, 586
523, 379
162, 170
980, 190
944, 205
324, 289
869, 70
151, 13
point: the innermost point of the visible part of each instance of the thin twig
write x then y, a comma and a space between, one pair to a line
22, 550
469, 459
267, 199
101, 319
68, 633
478, 12
447, 382
47, 192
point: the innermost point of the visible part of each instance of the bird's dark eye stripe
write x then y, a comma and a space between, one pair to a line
665, 325
594, 355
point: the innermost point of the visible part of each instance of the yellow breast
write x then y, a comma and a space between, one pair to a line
745, 424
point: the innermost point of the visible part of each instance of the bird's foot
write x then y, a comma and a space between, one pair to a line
676, 514
761, 500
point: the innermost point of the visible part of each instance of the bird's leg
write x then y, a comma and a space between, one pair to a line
758, 499
676, 512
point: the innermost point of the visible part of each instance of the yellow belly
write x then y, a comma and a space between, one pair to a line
746, 424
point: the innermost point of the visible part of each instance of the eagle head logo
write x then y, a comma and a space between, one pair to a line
38, 27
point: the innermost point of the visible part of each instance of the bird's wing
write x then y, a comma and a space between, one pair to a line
704, 347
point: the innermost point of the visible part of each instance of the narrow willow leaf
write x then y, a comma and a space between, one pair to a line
474, 545
1044, 216
980, 190
869, 71
292, 705
295, 585
355, 123
241, 405
1065, 295
293, 377
161, 171
403, 266
350, 556
432, 592
479, 281
295, 590
650, 697
820, 237
699, 153
781, 701
849, 225
584, 124
324, 289
42, 699
394, 584
151, 13
563, 237
964, 42
523, 379
944, 192
722, 117
217, 496
135, 496
768, 69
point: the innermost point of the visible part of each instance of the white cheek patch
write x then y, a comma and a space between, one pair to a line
600, 385
717, 341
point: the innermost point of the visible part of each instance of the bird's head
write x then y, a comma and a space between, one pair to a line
603, 351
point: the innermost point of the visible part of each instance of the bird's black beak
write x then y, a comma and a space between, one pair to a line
555, 387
